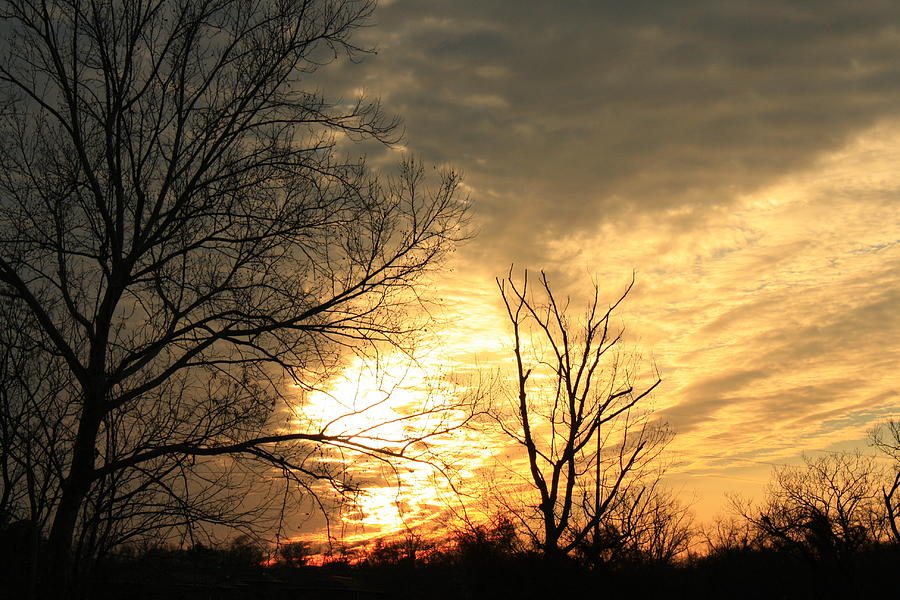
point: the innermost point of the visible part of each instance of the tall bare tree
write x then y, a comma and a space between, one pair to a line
886, 438
182, 235
580, 414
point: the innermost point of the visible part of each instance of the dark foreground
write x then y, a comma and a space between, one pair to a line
741, 573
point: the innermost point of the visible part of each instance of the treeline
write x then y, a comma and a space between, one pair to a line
733, 558
825, 529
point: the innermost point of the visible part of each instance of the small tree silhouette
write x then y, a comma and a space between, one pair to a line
887, 439
826, 510
579, 412
294, 554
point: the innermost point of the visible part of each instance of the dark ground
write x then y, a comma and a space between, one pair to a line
737, 574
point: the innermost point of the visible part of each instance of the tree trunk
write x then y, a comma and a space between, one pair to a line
551, 536
59, 576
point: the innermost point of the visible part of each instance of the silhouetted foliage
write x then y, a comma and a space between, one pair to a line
825, 519
887, 439
408, 549
20, 543
646, 524
479, 542
826, 509
181, 237
487, 562
731, 534
245, 552
294, 554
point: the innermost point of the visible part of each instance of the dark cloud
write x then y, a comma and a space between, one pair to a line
566, 115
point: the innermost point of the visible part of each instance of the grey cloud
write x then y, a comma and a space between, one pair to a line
566, 117
873, 409
786, 408
570, 114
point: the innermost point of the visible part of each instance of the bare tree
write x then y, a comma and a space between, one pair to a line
730, 533
887, 439
580, 414
31, 416
294, 554
826, 510
182, 236
647, 523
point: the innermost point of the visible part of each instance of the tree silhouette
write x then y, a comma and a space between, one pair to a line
579, 414
826, 510
180, 236
887, 439
646, 524
294, 554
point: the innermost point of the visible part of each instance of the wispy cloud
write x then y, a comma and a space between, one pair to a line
740, 157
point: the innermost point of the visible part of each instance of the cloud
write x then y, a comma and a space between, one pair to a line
566, 116
773, 323
739, 156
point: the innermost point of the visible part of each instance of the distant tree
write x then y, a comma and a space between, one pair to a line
181, 235
826, 510
32, 416
485, 541
294, 554
244, 552
887, 439
646, 524
728, 534
579, 413
409, 548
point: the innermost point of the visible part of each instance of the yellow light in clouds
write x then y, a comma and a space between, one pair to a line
382, 404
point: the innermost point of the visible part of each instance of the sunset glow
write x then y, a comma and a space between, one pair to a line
438, 300
773, 325
758, 211
383, 405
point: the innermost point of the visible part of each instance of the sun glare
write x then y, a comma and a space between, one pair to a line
386, 404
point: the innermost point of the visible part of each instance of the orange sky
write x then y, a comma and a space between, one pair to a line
740, 157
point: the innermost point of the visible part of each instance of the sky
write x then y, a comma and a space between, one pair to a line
740, 158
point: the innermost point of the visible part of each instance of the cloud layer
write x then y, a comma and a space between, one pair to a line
740, 156
567, 116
